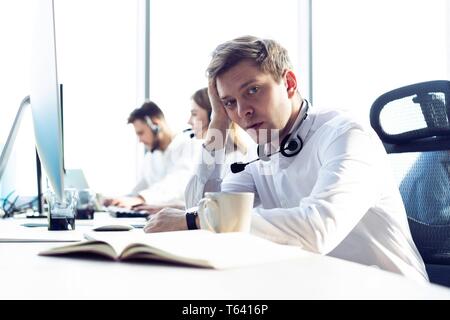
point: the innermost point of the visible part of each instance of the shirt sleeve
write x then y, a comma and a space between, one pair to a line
346, 188
141, 185
207, 177
212, 175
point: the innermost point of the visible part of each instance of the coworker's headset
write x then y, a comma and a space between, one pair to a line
153, 127
156, 129
192, 134
289, 147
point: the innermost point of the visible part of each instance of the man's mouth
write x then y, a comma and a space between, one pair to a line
255, 126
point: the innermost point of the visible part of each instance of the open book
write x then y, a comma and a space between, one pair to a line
197, 248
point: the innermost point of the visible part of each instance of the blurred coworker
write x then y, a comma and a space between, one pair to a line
236, 147
201, 109
168, 162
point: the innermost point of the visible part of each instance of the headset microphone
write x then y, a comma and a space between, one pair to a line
192, 134
287, 149
240, 166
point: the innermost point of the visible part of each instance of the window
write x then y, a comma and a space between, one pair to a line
97, 63
15, 26
184, 33
362, 49
97, 60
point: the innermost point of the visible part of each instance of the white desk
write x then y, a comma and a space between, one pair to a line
25, 275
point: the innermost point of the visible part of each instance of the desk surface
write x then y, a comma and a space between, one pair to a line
25, 275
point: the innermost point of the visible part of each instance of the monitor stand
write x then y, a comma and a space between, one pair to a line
40, 198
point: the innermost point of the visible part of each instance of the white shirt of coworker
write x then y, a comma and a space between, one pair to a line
336, 197
165, 174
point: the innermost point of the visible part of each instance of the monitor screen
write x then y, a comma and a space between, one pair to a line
44, 95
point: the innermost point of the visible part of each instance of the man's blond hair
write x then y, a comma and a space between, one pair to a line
267, 54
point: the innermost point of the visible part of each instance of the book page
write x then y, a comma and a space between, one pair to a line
200, 247
111, 249
94, 247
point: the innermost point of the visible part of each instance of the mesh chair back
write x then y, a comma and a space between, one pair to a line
414, 124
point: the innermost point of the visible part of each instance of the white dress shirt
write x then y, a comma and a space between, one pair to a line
196, 185
336, 197
165, 174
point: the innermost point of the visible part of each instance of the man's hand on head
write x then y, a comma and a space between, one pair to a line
220, 122
218, 111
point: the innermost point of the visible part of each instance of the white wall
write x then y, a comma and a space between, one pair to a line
362, 49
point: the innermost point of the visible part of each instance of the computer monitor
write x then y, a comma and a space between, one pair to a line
44, 95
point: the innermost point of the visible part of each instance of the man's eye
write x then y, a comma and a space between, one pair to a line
253, 90
229, 103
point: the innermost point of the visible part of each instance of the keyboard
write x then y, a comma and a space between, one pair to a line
119, 212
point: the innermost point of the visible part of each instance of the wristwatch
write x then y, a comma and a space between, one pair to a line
190, 220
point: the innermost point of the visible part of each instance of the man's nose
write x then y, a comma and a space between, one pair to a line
245, 110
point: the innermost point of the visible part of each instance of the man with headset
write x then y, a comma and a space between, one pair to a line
168, 162
324, 182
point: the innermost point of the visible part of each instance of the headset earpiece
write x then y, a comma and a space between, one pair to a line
292, 145
153, 127
290, 148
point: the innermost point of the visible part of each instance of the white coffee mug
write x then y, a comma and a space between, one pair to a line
226, 211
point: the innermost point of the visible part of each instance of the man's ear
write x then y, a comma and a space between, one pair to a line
290, 82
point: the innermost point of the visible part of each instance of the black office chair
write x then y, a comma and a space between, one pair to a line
414, 124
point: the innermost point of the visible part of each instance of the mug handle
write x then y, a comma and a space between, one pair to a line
204, 207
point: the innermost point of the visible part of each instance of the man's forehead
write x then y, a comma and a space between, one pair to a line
138, 121
237, 78
139, 124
